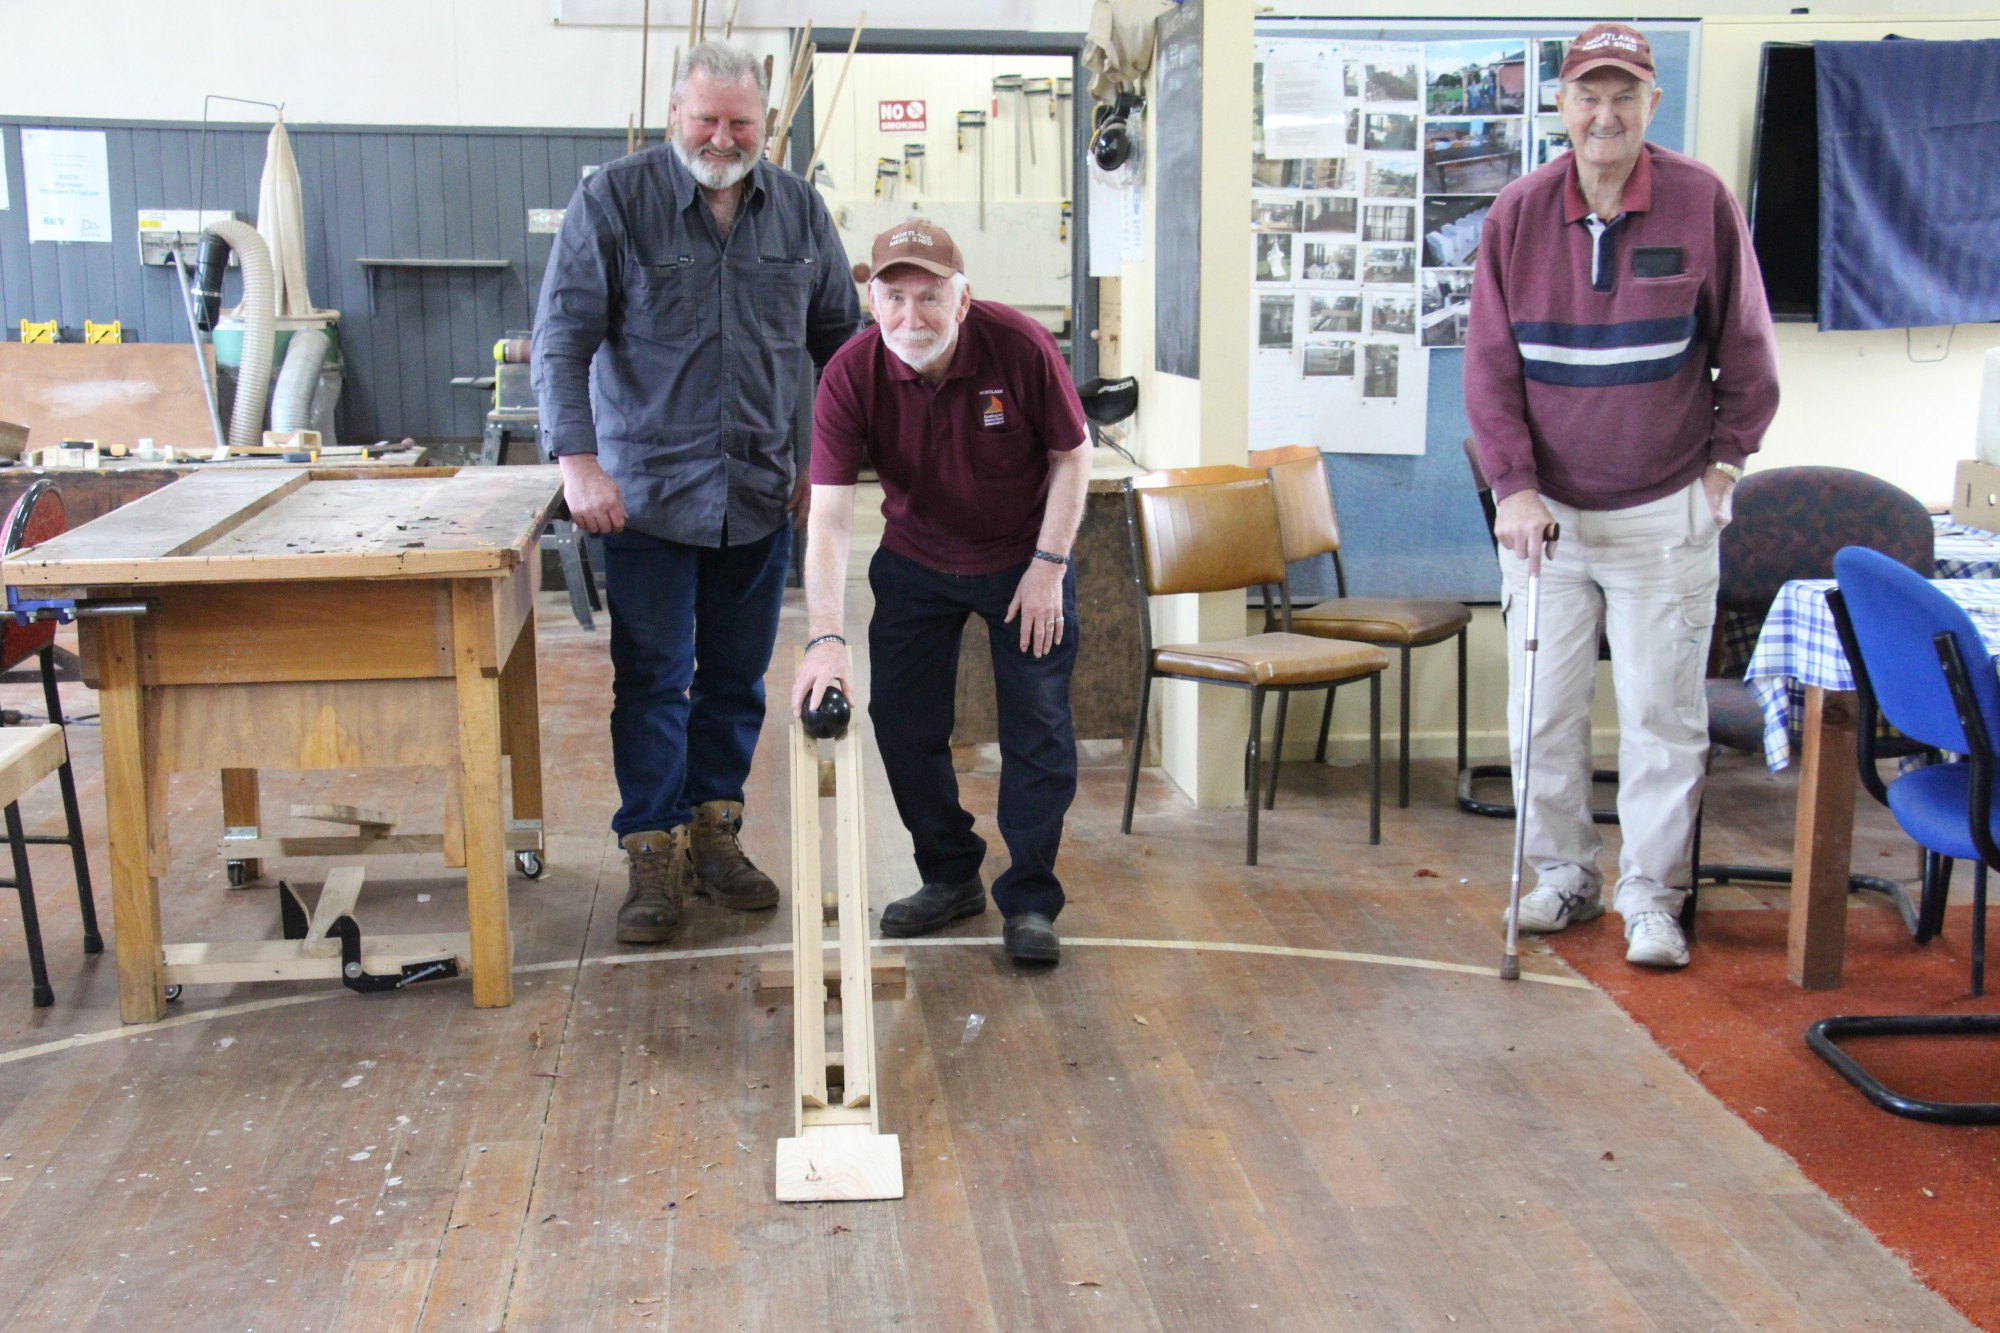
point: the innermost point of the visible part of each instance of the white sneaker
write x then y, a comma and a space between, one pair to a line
1654, 939
1547, 909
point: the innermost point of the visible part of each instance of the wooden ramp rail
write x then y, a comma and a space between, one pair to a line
837, 1150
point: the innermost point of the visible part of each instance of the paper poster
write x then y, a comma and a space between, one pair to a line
1107, 226
5, 204
1301, 118
68, 185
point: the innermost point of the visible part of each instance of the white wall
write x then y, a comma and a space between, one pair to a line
385, 62
1018, 254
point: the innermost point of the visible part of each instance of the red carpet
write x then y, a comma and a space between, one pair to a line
1930, 1192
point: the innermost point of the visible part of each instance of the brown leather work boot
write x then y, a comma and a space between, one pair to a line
722, 873
659, 871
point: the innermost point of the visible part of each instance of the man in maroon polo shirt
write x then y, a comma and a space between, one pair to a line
967, 414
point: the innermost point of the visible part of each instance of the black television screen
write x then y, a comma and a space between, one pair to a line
1784, 181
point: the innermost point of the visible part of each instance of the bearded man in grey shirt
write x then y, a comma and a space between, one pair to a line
684, 294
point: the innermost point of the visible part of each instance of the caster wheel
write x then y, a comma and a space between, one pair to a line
239, 874
530, 864
173, 994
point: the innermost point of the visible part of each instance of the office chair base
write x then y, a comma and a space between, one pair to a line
1472, 805
1824, 1037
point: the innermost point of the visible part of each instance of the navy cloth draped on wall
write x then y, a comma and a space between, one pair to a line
1909, 169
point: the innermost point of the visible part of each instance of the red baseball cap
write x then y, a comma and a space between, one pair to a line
919, 242
1611, 44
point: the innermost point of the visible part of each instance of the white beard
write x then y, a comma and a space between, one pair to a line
921, 356
710, 173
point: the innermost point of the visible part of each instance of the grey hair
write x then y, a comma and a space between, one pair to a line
725, 64
957, 282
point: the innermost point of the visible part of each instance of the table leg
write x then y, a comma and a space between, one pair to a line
454, 821
520, 699
135, 893
241, 809
1823, 844
479, 789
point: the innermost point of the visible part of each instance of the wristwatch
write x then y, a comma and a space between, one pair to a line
1729, 470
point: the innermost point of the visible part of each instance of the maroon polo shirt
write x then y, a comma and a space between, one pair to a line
964, 464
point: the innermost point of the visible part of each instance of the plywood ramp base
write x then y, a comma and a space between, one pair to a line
834, 1163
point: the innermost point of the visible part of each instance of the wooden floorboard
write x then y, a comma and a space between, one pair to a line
1141, 1138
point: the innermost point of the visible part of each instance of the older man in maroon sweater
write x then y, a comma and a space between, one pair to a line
1619, 371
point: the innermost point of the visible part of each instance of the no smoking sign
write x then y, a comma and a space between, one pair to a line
896, 117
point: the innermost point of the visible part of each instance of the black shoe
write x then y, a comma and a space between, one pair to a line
932, 906
1031, 938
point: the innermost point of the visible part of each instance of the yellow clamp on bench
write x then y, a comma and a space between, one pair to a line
32, 332
114, 332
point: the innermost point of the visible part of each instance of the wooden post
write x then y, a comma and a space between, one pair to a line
135, 893
1822, 848
520, 699
479, 788
240, 809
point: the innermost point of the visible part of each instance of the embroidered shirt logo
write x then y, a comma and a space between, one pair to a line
994, 414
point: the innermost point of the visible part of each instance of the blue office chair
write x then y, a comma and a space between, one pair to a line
1918, 659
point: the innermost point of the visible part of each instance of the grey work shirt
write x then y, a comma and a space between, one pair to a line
677, 358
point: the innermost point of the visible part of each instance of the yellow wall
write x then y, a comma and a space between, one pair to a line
1895, 404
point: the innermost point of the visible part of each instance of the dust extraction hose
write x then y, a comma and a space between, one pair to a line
260, 317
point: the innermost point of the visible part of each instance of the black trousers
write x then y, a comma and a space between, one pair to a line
913, 643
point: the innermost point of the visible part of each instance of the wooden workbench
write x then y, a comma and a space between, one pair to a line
311, 618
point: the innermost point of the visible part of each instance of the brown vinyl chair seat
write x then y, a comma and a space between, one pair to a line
1270, 659
1383, 620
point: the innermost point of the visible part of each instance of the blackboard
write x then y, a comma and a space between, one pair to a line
1411, 524
1175, 174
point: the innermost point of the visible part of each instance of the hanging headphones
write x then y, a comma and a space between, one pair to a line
1115, 141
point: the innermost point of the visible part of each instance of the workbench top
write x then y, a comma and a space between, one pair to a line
304, 523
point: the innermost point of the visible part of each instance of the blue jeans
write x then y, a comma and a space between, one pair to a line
913, 644
691, 635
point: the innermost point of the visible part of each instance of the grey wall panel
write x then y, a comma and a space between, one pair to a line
367, 191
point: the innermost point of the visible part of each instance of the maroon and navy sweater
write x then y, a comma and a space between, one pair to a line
1588, 357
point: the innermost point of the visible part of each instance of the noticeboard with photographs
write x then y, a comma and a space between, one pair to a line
1377, 153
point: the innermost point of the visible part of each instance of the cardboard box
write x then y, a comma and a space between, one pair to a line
1975, 495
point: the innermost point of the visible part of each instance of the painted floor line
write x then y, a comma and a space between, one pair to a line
752, 950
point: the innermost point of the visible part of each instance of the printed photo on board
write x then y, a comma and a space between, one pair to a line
1340, 313
1330, 212
1390, 265
1389, 222
1327, 261
1470, 156
1396, 82
1392, 314
1390, 133
1476, 78
1392, 178
1446, 302
1379, 366
1274, 258
1329, 358
1268, 216
1451, 228
1274, 321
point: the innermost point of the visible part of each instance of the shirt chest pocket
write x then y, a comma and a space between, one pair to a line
782, 292
663, 302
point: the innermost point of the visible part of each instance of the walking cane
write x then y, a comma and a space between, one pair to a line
1510, 962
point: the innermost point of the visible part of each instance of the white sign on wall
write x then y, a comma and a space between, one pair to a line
900, 116
68, 185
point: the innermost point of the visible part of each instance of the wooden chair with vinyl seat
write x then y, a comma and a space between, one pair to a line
1215, 529
1308, 527
30, 753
